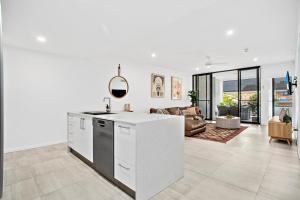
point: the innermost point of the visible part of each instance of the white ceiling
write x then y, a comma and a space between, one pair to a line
181, 33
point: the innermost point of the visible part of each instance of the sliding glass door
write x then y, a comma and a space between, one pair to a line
232, 92
202, 84
249, 95
225, 93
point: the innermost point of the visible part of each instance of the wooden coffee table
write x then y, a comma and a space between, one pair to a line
228, 123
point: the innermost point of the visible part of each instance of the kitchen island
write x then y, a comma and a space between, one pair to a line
138, 152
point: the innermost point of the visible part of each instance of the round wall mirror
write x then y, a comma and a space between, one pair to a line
118, 86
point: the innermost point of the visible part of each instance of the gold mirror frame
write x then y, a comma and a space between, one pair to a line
118, 76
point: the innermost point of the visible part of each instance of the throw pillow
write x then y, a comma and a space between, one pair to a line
197, 118
282, 114
192, 110
185, 112
174, 111
180, 112
159, 111
165, 111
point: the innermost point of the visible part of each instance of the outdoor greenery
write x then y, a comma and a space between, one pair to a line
253, 104
193, 95
229, 116
228, 101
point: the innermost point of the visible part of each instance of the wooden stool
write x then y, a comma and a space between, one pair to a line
280, 130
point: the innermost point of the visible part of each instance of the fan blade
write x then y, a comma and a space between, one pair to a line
218, 63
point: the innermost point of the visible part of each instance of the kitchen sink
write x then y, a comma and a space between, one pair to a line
96, 113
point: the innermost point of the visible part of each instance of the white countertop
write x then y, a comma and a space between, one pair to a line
130, 117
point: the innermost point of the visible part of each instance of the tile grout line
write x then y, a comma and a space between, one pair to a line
211, 177
266, 170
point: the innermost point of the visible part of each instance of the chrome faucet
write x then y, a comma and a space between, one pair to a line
108, 106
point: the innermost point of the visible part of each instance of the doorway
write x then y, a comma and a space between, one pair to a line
231, 92
203, 85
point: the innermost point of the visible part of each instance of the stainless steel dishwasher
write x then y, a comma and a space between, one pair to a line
103, 144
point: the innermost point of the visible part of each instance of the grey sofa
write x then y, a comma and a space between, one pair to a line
228, 110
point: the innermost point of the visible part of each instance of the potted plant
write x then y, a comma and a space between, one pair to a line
287, 119
193, 95
228, 107
229, 116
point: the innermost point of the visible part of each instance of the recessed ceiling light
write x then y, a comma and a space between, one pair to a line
105, 29
153, 55
41, 39
208, 66
230, 32
197, 68
255, 59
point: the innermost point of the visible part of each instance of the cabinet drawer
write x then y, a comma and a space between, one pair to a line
125, 173
125, 142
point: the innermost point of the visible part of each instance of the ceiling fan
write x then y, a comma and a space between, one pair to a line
210, 63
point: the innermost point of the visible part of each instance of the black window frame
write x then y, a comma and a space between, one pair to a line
207, 100
239, 70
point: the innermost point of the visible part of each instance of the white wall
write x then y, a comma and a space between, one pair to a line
297, 73
41, 88
297, 93
268, 72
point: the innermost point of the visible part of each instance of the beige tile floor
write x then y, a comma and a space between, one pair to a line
247, 167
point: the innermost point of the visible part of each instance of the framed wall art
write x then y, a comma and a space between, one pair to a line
176, 85
157, 86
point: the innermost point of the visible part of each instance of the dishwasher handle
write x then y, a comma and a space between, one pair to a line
103, 123
100, 123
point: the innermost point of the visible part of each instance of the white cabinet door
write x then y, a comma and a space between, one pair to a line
86, 138
125, 142
125, 155
80, 135
74, 132
125, 173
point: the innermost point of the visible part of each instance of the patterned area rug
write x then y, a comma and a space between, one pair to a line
219, 134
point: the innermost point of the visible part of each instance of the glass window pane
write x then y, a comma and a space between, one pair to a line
249, 85
202, 87
208, 87
208, 110
281, 99
230, 87
249, 96
225, 93
249, 111
202, 106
